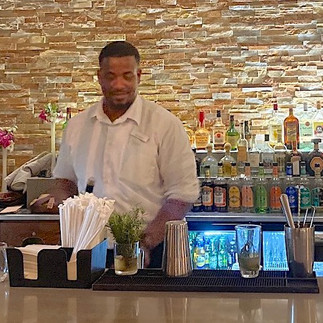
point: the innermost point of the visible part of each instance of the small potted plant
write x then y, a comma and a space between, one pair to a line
127, 230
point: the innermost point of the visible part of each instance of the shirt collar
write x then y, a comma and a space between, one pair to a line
133, 113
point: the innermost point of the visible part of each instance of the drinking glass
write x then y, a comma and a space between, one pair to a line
248, 237
126, 258
3, 262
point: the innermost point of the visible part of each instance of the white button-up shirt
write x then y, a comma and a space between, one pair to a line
141, 159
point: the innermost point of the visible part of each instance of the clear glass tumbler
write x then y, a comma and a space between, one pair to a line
248, 239
126, 258
3, 262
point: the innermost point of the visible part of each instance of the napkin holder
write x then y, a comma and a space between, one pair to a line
52, 267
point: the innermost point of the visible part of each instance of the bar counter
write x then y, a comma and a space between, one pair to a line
39, 305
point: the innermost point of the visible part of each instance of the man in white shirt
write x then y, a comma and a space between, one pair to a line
136, 151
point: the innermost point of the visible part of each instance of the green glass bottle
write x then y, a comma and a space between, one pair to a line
232, 135
261, 191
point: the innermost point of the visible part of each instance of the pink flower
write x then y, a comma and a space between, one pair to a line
6, 138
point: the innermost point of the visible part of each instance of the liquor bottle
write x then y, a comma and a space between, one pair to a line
232, 135
247, 133
305, 129
304, 187
67, 117
207, 191
275, 126
219, 131
247, 196
291, 188
291, 130
213, 255
317, 190
275, 191
314, 157
202, 135
199, 254
267, 156
261, 192
222, 254
280, 152
254, 157
190, 134
227, 160
234, 194
197, 205
242, 151
197, 162
220, 191
209, 160
318, 121
295, 159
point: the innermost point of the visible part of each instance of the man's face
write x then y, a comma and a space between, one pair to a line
119, 78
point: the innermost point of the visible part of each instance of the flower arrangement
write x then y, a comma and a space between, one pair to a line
51, 113
7, 138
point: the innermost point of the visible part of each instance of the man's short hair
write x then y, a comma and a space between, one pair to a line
119, 49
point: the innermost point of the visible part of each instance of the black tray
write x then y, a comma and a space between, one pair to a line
207, 281
52, 267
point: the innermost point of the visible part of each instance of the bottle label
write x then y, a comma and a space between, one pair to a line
207, 196
317, 194
247, 196
291, 131
318, 129
261, 197
274, 194
306, 130
316, 160
201, 140
219, 137
295, 160
234, 197
254, 159
242, 154
305, 197
292, 194
220, 196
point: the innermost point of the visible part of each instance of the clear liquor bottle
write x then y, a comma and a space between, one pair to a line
254, 157
317, 190
306, 129
219, 131
275, 125
247, 133
247, 196
304, 187
227, 160
291, 130
242, 151
267, 156
318, 121
280, 152
202, 135
296, 158
234, 192
207, 191
232, 135
209, 160
261, 191
314, 157
291, 189
275, 191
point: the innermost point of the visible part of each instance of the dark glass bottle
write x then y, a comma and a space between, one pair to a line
314, 157
207, 191
220, 191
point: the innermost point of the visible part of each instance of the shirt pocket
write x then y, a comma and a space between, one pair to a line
139, 162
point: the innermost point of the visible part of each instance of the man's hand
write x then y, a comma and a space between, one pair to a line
155, 231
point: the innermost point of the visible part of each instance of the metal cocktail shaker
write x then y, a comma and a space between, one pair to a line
177, 260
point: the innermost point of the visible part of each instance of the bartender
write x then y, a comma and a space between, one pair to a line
136, 151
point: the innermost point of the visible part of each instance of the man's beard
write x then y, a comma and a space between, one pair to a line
120, 106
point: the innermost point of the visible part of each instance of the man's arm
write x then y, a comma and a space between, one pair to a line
155, 231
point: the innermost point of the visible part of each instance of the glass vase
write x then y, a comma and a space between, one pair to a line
126, 258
